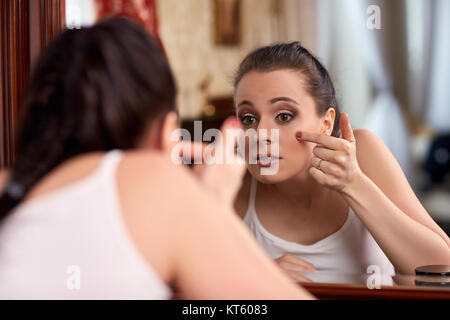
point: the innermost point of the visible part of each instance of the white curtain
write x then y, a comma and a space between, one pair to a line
438, 109
385, 118
299, 21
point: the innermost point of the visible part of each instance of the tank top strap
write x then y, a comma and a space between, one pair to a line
251, 199
110, 162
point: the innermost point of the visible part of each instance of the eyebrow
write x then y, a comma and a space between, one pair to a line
244, 102
272, 101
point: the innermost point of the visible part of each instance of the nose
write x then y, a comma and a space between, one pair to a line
264, 138
264, 131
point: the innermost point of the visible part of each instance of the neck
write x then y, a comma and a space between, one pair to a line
302, 191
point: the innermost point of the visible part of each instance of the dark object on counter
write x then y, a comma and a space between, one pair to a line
432, 282
433, 276
437, 163
434, 271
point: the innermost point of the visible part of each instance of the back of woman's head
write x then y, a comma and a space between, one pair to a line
93, 89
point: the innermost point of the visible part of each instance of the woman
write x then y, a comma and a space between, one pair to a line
336, 203
87, 211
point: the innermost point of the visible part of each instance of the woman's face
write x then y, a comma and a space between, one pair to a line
277, 100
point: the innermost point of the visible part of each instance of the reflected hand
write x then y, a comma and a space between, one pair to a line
294, 266
223, 179
334, 164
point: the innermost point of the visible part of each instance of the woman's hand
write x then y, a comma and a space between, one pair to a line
294, 266
223, 179
334, 164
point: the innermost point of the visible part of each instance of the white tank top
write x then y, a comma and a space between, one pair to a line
72, 243
345, 254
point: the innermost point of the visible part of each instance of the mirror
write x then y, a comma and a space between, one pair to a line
389, 62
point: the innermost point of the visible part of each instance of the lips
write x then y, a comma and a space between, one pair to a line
266, 160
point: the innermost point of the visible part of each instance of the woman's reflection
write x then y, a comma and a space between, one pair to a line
336, 200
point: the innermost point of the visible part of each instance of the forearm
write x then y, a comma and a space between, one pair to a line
407, 243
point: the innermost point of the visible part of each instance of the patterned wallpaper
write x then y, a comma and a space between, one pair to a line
203, 69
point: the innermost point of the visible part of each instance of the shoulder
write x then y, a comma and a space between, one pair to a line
151, 174
159, 191
373, 155
364, 136
378, 163
158, 200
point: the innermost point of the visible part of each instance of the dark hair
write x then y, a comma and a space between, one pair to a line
93, 89
293, 56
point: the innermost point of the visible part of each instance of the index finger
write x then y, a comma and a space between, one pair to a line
298, 261
320, 138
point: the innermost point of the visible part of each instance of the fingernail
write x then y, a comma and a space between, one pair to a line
298, 134
234, 123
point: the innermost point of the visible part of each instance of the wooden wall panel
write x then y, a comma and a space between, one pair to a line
26, 27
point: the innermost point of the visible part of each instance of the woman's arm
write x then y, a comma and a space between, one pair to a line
216, 258
191, 239
384, 201
362, 169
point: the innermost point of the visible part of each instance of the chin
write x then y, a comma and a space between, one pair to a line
281, 175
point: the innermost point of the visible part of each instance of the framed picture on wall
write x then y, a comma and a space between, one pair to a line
227, 22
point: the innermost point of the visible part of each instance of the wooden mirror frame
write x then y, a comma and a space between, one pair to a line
26, 28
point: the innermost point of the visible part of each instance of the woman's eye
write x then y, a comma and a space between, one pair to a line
248, 120
284, 117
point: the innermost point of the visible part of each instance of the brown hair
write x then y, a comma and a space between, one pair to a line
93, 89
293, 56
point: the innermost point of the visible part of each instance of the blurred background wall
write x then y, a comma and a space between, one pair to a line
205, 68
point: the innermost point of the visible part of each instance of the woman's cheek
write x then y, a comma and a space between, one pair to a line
289, 142
297, 152
303, 152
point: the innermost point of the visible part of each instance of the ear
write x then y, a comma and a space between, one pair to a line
169, 125
328, 121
